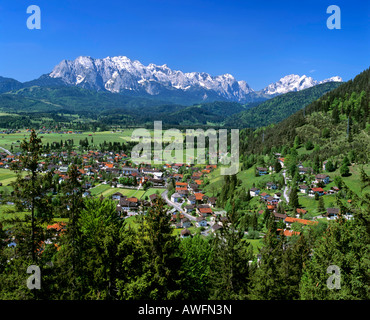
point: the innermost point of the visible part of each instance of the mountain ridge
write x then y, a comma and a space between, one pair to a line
120, 74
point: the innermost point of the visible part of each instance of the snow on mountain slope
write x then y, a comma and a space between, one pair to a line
117, 74
120, 73
295, 82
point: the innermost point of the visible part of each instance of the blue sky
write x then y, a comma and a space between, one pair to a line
255, 41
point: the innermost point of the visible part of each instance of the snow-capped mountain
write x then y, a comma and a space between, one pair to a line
120, 74
295, 82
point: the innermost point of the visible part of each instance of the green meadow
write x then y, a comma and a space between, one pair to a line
94, 138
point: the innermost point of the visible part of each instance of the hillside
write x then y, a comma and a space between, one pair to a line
73, 99
122, 109
280, 107
332, 127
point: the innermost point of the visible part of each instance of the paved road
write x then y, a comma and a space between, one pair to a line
286, 188
7, 151
177, 206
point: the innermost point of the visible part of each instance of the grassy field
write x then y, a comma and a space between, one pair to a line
353, 181
106, 190
6, 177
255, 243
310, 204
8, 212
132, 222
126, 192
151, 191
247, 177
100, 189
7, 140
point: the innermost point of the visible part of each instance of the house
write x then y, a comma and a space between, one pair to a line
254, 192
212, 201
319, 191
129, 170
204, 211
272, 201
303, 188
332, 213
271, 186
264, 196
182, 191
176, 197
127, 204
303, 170
189, 208
201, 222
178, 176
277, 195
185, 233
193, 187
324, 165
322, 178
281, 161
157, 173
117, 196
191, 199
279, 216
216, 227
262, 171
185, 223
199, 196
287, 233
181, 184
301, 212
290, 220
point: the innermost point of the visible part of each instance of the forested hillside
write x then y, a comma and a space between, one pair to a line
277, 109
333, 125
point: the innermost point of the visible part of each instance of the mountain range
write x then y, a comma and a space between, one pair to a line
130, 77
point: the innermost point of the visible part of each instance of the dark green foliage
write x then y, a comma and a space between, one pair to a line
293, 197
344, 170
230, 271
280, 107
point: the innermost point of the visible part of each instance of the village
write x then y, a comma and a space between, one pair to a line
136, 187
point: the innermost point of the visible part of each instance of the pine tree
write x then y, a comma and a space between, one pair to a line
158, 276
294, 257
293, 197
321, 205
266, 281
196, 253
68, 260
230, 271
30, 194
344, 244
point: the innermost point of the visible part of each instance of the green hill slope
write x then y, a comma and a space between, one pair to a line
280, 107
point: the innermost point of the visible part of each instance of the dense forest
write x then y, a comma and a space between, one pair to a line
44, 106
331, 126
279, 108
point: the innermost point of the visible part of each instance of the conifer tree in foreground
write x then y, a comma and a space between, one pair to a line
230, 271
157, 273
